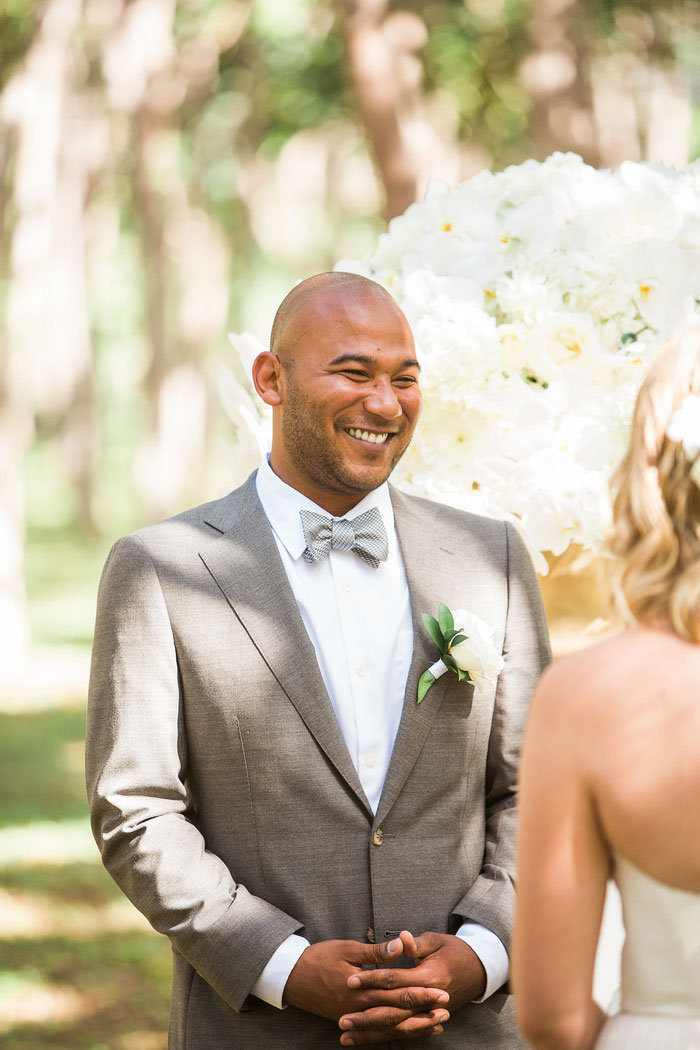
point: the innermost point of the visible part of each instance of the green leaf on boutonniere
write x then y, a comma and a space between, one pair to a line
478, 663
433, 629
449, 661
424, 683
445, 618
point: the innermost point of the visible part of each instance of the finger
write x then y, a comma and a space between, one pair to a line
391, 1019
408, 1000
383, 979
375, 954
410, 945
418, 947
412, 1028
413, 1000
363, 1038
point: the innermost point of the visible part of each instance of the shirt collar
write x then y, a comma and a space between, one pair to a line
282, 504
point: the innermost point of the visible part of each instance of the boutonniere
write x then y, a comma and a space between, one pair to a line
466, 647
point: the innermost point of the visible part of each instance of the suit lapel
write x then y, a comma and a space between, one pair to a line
245, 562
416, 539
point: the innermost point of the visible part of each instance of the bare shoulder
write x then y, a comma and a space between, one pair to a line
624, 717
603, 683
577, 686
607, 709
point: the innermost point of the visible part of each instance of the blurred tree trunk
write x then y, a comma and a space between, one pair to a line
50, 116
411, 141
605, 102
16, 428
47, 356
185, 260
150, 210
554, 74
45, 103
378, 82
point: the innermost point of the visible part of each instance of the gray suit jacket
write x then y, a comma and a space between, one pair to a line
223, 797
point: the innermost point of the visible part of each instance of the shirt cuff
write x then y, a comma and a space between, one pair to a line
491, 952
271, 983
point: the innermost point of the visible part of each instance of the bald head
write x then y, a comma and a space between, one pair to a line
341, 377
298, 307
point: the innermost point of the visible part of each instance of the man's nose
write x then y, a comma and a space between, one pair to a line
383, 401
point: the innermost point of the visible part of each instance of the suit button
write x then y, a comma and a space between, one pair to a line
369, 936
378, 837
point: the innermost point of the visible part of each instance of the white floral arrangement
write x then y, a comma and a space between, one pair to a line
538, 297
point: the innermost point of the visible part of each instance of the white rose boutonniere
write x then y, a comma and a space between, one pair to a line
466, 647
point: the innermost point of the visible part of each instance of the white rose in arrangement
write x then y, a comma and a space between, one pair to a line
538, 297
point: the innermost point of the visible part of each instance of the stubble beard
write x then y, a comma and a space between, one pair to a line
310, 452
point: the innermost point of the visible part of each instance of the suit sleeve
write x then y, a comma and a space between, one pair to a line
490, 901
141, 812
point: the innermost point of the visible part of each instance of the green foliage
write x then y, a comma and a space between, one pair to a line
18, 19
475, 58
298, 82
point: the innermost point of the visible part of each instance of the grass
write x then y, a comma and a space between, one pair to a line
79, 968
41, 759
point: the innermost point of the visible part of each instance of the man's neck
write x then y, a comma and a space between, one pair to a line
337, 504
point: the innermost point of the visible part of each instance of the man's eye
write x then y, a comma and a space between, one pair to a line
406, 380
354, 373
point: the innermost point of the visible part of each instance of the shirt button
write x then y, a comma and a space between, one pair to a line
370, 761
378, 837
362, 671
347, 586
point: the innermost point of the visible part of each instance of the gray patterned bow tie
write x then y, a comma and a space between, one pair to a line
364, 535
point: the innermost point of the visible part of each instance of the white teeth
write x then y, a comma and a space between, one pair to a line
366, 435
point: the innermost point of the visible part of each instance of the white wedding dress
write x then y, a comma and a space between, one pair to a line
660, 1006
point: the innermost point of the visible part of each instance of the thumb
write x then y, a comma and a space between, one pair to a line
386, 951
409, 944
376, 954
422, 946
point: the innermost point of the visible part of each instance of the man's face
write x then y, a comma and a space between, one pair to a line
350, 396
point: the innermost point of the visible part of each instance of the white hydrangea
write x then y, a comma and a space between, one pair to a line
538, 297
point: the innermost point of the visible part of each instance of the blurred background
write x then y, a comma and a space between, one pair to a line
168, 169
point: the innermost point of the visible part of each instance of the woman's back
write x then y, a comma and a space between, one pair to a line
610, 770
646, 785
634, 709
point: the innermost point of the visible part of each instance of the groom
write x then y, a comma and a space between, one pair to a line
263, 784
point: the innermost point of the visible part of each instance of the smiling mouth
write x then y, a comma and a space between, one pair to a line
373, 436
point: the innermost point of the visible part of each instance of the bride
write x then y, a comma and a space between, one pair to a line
611, 763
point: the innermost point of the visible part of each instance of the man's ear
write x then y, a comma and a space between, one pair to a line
266, 376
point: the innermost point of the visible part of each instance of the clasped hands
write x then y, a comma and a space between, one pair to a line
377, 1005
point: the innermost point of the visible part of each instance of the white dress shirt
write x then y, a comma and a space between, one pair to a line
342, 599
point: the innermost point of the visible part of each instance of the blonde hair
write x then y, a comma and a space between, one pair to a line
656, 505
